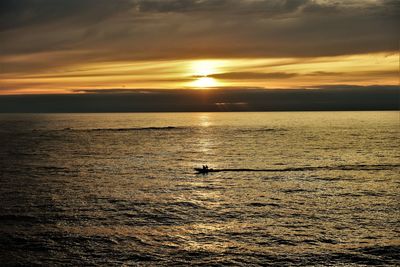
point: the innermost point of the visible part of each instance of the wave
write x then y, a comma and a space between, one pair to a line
123, 129
135, 129
264, 130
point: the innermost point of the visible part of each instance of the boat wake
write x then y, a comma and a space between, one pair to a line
360, 167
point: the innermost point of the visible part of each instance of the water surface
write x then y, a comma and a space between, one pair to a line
115, 189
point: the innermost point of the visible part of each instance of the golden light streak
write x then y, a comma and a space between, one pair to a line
367, 69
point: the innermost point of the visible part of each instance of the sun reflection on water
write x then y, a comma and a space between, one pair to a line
204, 120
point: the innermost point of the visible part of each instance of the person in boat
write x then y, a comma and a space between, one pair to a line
205, 168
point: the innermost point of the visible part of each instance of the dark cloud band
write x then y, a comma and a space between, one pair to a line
339, 97
155, 29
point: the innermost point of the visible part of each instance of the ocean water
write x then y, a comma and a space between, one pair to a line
120, 189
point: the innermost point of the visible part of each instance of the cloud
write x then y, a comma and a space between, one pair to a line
384, 73
153, 29
220, 6
340, 97
252, 75
32, 13
115, 91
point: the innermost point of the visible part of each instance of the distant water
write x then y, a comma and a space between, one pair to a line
119, 189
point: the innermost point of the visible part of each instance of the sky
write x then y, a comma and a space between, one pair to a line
85, 46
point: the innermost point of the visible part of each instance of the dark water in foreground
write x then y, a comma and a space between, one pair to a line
119, 189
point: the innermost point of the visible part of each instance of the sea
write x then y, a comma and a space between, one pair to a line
121, 190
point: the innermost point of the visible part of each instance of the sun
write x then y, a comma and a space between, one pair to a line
201, 70
204, 82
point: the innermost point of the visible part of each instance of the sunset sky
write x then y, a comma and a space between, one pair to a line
73, 46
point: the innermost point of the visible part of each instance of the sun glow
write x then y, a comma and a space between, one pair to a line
204, 82
201, 70
204, 68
